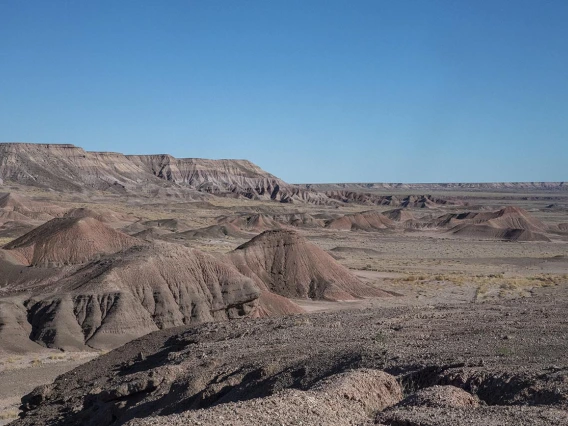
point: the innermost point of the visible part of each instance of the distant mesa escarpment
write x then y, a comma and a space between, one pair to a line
69, 168
451, 186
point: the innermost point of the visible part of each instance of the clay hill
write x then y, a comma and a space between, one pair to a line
108, 288
20, 208
68, 241
509, 223
118, 298
285, 263
364, 221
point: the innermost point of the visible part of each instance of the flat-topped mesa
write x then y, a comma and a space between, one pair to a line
72, 169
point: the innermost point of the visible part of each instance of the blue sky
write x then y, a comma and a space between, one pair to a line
312, 91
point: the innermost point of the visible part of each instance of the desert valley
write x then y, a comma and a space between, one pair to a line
153, 290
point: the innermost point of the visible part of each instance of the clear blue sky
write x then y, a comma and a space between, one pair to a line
312, 91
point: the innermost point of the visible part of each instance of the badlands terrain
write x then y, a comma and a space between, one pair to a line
151, 290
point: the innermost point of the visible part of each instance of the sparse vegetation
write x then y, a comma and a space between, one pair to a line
9, 414
504, 351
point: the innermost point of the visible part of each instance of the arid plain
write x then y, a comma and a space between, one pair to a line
190, 291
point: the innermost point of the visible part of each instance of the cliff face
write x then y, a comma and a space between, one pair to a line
220, 177
67, 167
70, 168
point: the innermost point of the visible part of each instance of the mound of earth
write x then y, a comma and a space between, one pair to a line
341, 399
364, 221
68, 241
107, 216
490, 232
339, 368
262, 221
287, 264
15, 228
19, 207
151, 234
121, 297
440, 396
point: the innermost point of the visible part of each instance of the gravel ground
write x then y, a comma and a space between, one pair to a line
511, 357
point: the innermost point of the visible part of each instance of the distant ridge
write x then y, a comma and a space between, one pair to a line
471, 186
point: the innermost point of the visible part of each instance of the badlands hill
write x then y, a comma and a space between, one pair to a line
68, 241
509, 223
286, 264
106, 288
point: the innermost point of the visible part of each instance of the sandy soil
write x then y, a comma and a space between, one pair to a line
20, 374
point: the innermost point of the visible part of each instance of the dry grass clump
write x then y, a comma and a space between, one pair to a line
9, 414
56, 357
5, 240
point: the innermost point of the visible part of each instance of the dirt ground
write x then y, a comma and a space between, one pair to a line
421, 268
